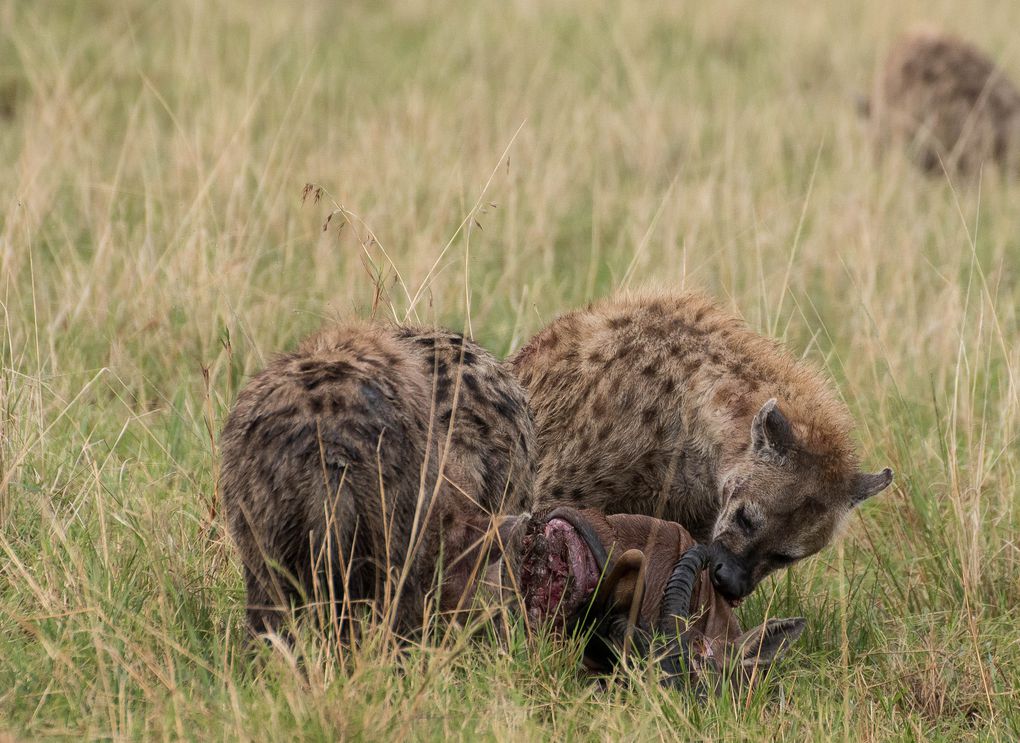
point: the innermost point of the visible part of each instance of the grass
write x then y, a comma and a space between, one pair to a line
502, 162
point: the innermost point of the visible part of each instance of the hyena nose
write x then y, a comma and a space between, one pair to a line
728, 575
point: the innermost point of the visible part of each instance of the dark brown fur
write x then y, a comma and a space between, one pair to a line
664, 405
949, 103
332, 458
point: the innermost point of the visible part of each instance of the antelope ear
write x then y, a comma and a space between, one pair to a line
770, 430
624, 584
759, 647
866, 485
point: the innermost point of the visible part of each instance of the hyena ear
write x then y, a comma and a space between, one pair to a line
867, 484
770, 430
759, 647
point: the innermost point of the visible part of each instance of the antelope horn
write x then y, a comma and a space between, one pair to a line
676, 602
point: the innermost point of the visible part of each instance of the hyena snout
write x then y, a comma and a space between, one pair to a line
731, 576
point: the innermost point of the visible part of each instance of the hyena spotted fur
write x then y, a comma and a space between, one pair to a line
949, 103
337, 457
669, 406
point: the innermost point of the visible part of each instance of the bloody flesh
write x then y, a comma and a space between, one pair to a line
558, 572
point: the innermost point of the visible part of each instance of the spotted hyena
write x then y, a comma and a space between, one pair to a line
669, 406
948, 102
339, 459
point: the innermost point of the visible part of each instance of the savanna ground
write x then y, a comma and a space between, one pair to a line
496, 163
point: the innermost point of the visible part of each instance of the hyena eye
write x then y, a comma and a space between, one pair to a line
743, 520
780, 559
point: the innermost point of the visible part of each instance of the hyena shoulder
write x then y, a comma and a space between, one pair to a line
482, 409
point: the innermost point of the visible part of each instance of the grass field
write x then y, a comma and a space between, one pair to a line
490, 164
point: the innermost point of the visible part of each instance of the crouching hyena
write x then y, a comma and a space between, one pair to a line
337, 457
667, 405
949, 103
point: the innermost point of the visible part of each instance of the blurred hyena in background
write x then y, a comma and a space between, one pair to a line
948, 103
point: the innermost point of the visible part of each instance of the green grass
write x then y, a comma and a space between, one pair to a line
512, 160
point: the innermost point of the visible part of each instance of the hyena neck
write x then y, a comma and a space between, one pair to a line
719, 445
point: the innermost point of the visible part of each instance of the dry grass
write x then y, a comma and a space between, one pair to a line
496, 163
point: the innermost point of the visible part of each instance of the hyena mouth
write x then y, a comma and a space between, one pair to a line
559, 573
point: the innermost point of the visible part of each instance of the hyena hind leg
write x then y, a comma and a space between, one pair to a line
272, 599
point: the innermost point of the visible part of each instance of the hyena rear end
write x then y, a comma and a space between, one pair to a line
667, 405
949, 103
338, 456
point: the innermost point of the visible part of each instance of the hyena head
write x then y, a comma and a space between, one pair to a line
781, 502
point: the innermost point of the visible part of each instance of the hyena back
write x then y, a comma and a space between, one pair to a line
334, 457
669, 406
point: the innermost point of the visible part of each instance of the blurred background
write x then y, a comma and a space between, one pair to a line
189, 187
